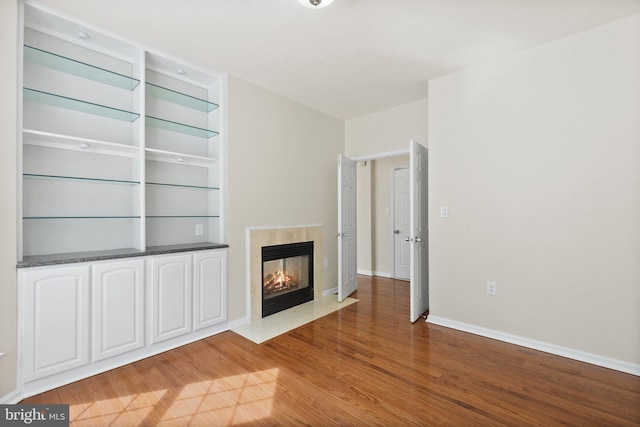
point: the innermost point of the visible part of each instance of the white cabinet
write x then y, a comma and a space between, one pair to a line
170, 299
85, 318
209, 288
55, 327
117, 307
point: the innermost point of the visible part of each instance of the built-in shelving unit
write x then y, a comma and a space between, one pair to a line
121, 146
121, 247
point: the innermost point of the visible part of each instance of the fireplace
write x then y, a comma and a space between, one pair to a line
287, 276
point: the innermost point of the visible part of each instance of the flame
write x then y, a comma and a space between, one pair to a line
279, 282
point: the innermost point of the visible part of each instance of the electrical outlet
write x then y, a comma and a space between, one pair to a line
199, 229
326, 262
444, 212
491, 288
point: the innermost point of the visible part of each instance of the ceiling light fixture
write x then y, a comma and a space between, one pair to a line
315, 4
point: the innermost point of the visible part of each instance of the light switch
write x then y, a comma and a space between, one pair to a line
444, 211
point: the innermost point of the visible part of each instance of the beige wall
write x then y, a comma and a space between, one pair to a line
387, 130
8, 117
282, 160
537, 157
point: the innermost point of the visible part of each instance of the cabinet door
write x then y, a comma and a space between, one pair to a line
118, 307
209, 288
55, 320
170, 296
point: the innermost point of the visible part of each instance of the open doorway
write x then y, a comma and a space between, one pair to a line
376, 216
368, 189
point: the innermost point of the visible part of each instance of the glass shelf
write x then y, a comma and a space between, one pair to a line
67, 142
179, 158
183, 216
77, 105
81, 217
78, 179
192, 187
180, 128
77, 68
180, 98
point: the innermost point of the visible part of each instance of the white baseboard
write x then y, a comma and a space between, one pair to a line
239, 322
594, 359
376, 273
11, 398
382, 274
330, 291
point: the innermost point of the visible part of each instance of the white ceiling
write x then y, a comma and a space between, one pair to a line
354, 57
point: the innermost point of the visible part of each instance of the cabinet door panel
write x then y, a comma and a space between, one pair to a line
209, 286
118, 308
55, 320
171, 297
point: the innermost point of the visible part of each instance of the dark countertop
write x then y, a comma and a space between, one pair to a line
73, 257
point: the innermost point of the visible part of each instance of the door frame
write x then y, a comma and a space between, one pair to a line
382, 155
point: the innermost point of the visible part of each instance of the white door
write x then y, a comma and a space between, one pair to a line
401, 224
419, 293
170, 296
55, 320
347, 255
209, 292
118, 307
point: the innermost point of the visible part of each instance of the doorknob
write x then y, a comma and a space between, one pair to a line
418, 239
396, 231
408, 239
338, 234
344, 234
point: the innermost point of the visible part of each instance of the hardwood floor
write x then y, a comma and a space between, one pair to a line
362, 365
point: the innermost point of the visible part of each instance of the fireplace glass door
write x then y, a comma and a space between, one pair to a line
287, 276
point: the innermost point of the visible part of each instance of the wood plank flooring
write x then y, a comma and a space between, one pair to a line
362, 365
